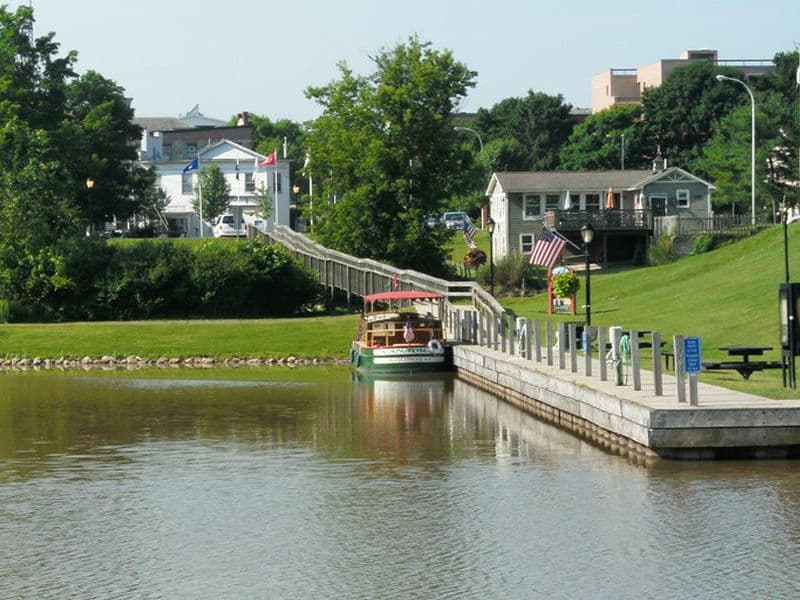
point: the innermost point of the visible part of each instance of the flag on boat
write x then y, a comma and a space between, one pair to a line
270, 160
469, 231
547, 249
192, 166
408, 332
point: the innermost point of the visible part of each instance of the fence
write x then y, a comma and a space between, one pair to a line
714, 224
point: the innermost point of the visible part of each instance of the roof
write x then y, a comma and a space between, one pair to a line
576, 181
531, 181
161, 123
402, 295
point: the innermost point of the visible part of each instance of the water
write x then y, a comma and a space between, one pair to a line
205, 488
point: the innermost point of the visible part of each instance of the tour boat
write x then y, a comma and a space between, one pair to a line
399, 340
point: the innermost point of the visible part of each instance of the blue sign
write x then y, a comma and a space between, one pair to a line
691, 355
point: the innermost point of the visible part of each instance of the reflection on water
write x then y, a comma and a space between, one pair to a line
360, 489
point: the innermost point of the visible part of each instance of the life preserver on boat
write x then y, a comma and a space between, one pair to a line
435, 346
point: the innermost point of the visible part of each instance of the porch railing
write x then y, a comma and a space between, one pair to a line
607, 220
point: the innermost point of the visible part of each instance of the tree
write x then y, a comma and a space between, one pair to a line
679, 114
726, 158
384, 155
539, 122
269, 136
215, 193
99, 139
597, 142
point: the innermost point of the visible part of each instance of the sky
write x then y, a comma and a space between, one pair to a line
170, 55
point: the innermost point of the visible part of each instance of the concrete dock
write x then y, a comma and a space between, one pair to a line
724, 424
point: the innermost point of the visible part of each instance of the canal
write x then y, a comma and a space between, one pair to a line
307, 484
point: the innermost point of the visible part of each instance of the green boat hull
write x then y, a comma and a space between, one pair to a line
399, 360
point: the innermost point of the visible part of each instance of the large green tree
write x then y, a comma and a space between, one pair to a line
539, 122
597, 143
384, 155
680, 113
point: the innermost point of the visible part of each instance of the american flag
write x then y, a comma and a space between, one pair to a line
395, 282
547, 250
469, 231
408, 332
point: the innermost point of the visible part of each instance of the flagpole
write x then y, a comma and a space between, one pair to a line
275, 188
200, 193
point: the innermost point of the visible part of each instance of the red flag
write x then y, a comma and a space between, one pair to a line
395, 282
547, 250
270, 160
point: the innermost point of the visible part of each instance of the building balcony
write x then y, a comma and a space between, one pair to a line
611, 220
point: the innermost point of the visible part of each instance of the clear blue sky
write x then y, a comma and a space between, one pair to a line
260, 56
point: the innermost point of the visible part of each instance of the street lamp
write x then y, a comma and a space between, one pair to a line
477, 135
587, 235
752, 145
490, 229
89, 186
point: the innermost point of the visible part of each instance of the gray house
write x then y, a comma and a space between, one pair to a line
620, 206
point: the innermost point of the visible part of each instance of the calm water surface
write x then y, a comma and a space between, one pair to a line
199, 487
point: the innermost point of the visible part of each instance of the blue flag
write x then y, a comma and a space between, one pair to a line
192, 166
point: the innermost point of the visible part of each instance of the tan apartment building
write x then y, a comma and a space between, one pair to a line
626, 86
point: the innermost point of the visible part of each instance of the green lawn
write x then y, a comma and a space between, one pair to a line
317, 337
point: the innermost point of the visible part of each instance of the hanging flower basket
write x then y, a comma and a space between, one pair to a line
565, 285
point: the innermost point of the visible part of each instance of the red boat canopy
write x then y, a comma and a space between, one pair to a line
404, 295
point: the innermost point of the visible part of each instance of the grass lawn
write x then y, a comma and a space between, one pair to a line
313, 337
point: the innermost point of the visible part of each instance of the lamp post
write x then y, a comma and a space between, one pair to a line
89, 186
587, 235
752, 144
490, 229
622, 153
477, 135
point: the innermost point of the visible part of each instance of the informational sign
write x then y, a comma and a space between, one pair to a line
691, 355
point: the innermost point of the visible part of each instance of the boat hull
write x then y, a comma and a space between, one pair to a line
415, 359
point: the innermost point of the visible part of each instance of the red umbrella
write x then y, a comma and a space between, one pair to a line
610, 199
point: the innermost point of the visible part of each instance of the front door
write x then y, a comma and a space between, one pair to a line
658, 206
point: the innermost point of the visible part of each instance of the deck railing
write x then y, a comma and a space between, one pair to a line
606, 220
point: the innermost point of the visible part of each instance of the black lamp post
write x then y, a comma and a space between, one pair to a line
587, 235
490, 229
89, 186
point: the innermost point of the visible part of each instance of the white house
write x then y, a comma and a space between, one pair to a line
244, 171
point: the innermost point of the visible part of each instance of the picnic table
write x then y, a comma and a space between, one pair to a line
745, 367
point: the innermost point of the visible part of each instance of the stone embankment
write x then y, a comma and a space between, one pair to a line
138, 362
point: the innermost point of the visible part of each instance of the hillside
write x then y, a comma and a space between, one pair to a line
726, 296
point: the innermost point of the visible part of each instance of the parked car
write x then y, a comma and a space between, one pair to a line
455, 219
225, 226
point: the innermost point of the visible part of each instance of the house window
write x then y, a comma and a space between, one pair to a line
552, 202
531, 207
191, 150
682, 196
186, 183
249, 182
526, 243
592, 202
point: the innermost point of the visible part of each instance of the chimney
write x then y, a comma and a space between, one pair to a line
243, 119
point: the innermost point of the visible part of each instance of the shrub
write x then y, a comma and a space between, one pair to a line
661, 251
511, 272
702, 244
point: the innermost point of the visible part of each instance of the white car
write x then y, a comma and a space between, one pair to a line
225, 226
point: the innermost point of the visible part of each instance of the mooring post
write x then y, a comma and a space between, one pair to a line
587, 333
637, 374
680, 375
549, 340
573, 348
657, 375
537, 341
562, 336
601, 351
